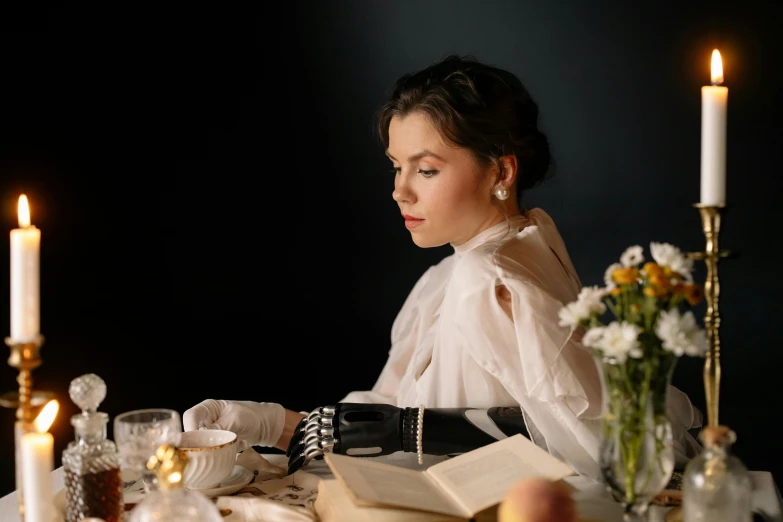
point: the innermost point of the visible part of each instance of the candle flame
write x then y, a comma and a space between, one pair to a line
717, 68
46, 417
23, 212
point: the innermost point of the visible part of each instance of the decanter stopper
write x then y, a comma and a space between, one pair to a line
87, 392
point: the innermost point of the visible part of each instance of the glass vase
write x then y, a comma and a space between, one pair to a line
637, 451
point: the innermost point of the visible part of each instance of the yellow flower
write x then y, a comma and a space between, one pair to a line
660, 282
650, 291
626, 276
616, 291
652, 268
693, 293
672, 274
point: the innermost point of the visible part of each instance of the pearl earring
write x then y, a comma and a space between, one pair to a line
501, 192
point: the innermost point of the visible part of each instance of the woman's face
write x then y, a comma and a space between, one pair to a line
444, 195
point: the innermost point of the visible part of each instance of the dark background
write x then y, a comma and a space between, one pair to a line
217, 219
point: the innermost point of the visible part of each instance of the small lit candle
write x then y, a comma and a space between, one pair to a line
37, 451
714, 99
25, 277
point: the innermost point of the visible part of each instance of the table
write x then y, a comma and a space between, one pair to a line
591, 497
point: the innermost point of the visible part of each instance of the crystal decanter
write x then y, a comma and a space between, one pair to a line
93, 487
171, 501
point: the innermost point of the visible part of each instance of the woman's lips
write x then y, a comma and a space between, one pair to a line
412, 222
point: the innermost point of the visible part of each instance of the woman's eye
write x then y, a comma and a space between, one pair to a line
395, 170
427, 173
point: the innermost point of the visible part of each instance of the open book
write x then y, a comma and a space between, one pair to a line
335, 504
460, 487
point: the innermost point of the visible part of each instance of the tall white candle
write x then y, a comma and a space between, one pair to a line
714, 99
37, 449
25, 277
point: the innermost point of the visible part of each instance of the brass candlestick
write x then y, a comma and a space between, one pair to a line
25, 357
711, 216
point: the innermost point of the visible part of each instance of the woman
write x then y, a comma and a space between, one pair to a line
480, 328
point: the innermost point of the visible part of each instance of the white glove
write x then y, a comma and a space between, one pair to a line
255, 423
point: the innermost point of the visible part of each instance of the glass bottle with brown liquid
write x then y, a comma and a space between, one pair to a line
93, 487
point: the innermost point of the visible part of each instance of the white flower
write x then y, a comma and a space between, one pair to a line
617, 341
592, 337
680, 334
587, 303
592, 297
610, 284
670, 256
572, 313
632, 256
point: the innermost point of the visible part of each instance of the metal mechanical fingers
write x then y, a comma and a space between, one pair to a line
314, 435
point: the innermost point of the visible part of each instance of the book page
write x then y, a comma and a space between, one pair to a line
379, 483
334, 503
480, 478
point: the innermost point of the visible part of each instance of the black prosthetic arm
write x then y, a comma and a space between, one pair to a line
450, 431
370, 430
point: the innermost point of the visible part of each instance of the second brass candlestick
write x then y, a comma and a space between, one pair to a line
711, 217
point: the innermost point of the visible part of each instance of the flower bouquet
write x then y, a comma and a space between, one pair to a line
637, 326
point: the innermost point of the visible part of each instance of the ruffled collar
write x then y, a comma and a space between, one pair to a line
509, 226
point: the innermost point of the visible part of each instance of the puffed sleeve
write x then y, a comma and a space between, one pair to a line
403, 341
540, 364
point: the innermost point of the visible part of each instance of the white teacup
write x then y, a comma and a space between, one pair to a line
211, 456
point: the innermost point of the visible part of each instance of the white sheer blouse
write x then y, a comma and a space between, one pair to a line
454, 346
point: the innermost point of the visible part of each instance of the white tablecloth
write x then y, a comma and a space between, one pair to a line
593, 501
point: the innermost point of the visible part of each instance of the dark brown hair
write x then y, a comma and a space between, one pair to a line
482, 108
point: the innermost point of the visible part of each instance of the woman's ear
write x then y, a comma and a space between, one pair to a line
508, 171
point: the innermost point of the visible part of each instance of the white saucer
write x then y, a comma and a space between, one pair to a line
236, 480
